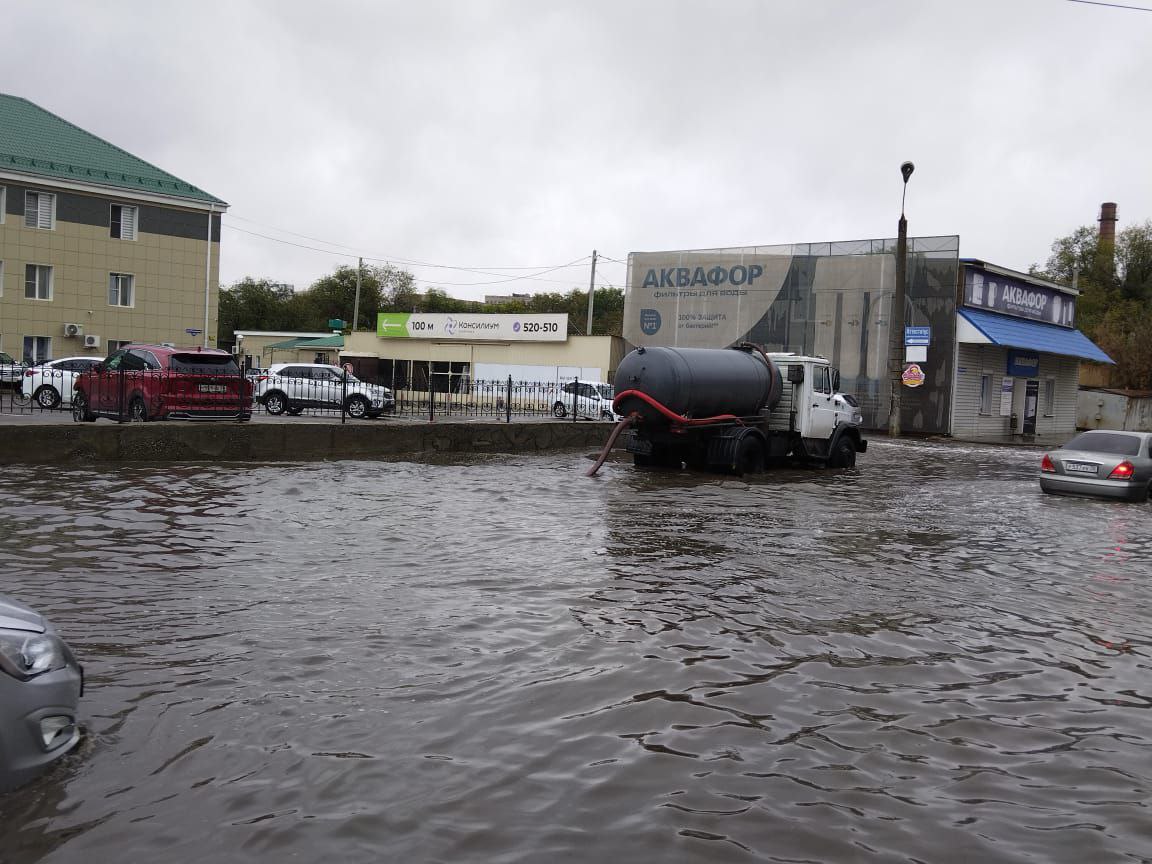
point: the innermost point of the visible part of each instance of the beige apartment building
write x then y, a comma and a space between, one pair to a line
97, 247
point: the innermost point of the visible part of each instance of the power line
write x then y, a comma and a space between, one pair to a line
433, 283
288, 242
1113, 5
397, 258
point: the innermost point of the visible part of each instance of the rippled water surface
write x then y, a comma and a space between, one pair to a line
503, 661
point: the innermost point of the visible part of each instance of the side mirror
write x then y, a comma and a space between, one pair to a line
796, 374
835, 380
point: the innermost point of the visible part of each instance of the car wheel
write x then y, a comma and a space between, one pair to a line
47, 397
843, 454
137, 410
558, 410
294, 410
606, 415
80, 412
275, 403
356, 406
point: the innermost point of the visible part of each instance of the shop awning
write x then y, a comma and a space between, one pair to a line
991, 329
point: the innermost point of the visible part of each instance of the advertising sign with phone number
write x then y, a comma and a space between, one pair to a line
472, 327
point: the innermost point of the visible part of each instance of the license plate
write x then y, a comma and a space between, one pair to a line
1081, 468
213, 388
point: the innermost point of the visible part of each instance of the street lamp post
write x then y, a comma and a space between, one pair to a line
896, 319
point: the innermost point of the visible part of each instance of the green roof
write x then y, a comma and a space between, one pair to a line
336, 340
35, 141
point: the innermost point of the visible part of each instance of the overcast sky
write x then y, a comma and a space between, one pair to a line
500, 135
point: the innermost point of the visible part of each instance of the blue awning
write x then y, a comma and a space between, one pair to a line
1034, 335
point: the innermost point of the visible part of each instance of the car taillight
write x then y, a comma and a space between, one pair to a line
27, 373
1123, 471
1046, 465
261, 377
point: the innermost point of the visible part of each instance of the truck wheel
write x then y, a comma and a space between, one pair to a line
843, 454
749, 456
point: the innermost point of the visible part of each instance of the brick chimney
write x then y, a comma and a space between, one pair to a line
1107, 222
1106, 246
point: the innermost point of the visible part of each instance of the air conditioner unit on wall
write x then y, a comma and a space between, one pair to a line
91, 341
73, 330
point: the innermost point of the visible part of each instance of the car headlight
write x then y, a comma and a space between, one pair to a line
26, 655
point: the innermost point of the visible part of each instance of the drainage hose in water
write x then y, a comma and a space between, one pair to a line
674, 418
620, 427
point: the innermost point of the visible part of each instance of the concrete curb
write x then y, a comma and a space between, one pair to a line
257, 442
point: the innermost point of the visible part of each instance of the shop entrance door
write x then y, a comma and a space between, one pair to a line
1031, 400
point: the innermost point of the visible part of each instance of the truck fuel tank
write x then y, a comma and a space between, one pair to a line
697, 382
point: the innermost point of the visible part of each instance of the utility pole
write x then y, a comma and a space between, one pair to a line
896, 323
591, 291
356, 305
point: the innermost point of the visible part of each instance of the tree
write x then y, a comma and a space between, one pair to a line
252, 304
260, 304
1115, 303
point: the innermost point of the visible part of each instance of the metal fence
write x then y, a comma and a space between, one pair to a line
131, 395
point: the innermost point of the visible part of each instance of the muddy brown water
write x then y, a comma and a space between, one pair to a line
500, 660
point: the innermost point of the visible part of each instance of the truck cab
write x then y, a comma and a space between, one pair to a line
817, 412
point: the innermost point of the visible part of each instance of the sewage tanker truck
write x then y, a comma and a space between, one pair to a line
735, 410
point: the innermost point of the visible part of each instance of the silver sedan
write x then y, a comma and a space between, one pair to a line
40, 686
1101, 463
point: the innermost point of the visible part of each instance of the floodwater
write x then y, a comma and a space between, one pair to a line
501, 660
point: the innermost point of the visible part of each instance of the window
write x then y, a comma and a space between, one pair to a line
123, 221
1049, 397
118, 344
38, 282
120, 289
37, 349
820, 381
985, 394
146, 357
39, 210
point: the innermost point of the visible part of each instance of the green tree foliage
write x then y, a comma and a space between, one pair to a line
1115, 303
258, 304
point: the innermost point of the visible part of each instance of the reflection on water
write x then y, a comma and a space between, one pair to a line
503, 661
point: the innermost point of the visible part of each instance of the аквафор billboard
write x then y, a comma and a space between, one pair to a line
829, 299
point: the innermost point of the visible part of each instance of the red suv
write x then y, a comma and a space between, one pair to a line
158, 382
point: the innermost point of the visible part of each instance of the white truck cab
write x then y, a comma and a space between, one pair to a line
812, 391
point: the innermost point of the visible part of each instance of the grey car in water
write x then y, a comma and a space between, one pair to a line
40, 688
1101, 463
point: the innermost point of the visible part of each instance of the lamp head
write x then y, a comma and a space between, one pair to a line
906, 169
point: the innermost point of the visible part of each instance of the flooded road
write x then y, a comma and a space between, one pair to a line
504, 661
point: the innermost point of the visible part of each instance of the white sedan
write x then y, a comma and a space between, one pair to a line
50, 382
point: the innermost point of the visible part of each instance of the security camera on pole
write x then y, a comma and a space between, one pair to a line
896, 324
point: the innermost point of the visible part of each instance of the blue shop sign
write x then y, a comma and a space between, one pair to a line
1023, 364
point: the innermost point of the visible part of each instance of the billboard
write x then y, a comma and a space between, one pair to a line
829, 299
472, 327
999, 293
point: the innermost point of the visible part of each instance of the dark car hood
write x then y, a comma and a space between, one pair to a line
17, 616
